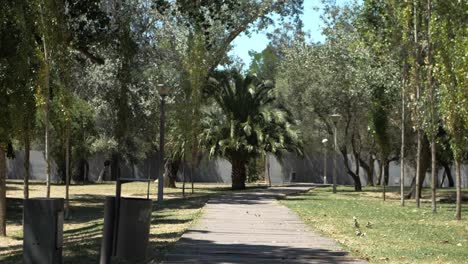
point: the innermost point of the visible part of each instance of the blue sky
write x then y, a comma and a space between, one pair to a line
258, 41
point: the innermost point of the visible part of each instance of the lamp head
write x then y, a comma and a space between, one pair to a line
335, 117
163, 90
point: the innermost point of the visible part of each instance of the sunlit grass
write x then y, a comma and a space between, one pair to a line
396, 234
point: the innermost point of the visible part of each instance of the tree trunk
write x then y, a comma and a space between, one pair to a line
369, 168
424, 165
418, 171
387, 171
115, 167
459, 193
46, 105
402, 147
67, 174
434, 175
433, 127
417, 56
356, 179
238, 173
84, 163
448, 173
170, 173
267, 170
46, 121
382, 177
183, 178
191, 178
3, 173
27, 172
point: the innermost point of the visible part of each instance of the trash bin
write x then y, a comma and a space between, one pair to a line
42, 230
126, 225
133, 228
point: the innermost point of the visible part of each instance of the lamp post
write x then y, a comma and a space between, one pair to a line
163, 91
324, 141
335, 117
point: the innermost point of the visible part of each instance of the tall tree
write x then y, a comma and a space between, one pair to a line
450, 34
17, 65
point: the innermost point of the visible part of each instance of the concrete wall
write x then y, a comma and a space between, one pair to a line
307, 169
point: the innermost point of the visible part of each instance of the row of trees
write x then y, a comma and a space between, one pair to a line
396, 74
80, 77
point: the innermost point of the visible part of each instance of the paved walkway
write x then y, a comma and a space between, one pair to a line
251, 227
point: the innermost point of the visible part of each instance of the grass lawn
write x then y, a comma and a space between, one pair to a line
82, 233
397, 234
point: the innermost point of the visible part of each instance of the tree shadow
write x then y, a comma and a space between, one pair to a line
82, 243
189, 250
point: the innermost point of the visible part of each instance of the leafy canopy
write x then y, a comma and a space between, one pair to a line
247, 120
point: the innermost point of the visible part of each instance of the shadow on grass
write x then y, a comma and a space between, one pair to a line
82, 243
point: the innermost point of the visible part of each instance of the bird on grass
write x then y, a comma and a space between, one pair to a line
356, 223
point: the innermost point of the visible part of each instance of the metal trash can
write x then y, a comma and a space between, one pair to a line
133, 228
42, 230
127, 224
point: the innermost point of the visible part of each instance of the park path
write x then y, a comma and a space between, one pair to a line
252, 227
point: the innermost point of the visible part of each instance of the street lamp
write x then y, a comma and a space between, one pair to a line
163, 91
335, 117
324, 141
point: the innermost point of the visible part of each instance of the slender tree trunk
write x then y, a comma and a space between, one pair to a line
267, 170
238, 173
183, 178
387, 171
357, 159
443, 179
115, 166
335, 153
418, 171
416, 71
3, 173
425, 163
433, 126
382, 169
46, 105
191, 178
433, 176
27, 172
358, 165
402, 147
46, 121
325, 165
458, 187
448, 173
356, 178
67, 174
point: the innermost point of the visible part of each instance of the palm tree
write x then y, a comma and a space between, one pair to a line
246, 122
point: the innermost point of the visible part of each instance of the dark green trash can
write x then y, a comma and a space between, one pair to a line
42, 230
133, 228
